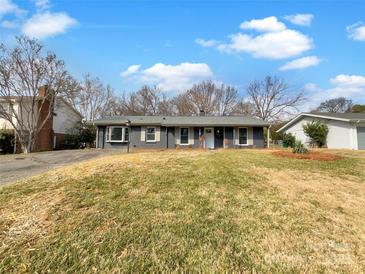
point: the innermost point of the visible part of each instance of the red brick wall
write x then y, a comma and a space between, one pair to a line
44, 139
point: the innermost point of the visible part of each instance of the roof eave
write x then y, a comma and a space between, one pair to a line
315, 116
105, 123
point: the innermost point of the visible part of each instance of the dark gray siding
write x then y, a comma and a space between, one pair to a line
196, 136
171, 137
135, 140
137, 143
258, 137
167, 138
101, 137
229, 136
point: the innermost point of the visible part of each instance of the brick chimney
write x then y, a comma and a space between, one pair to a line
44, 139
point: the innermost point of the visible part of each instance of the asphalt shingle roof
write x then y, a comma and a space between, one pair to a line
349, 116
346, 117
183, 120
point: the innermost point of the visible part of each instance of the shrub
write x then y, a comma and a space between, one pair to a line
274, 135
80, 136
317, 132
6, 141
71, 141
288, 140
299, 148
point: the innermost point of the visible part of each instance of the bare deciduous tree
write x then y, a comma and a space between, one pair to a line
24, 69
226, 99
183, 105
148, 100
244, 108
336, 105
208, 98
203, 98
272, 98
165, 106
90, 97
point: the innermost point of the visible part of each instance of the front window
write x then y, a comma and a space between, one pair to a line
242, 136
151, 134
184, 136
117, 134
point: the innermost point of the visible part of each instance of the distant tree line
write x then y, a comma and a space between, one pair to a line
269, 100
27, 67
339, 105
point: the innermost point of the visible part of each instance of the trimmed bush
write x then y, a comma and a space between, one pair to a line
299, 148
7, 139
82, 135
288, 140
317, 132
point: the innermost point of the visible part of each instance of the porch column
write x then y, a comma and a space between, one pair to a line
268, 137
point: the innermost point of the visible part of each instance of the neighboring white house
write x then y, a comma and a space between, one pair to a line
52, 134
346, 130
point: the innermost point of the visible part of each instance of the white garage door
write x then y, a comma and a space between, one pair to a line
361, 137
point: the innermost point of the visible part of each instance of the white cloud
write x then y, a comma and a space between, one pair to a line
170, 78
356, 31
344, 80
47, 24
268, 24
301, 63
8, 7
300, 19
343, 85
272, 45
311, 87
42, 4
9, 24
275, 42
130, 70
206, 43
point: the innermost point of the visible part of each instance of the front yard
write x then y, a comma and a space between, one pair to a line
236, 210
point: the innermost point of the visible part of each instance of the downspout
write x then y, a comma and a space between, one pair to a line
356, 145
97, 137
128, 124
167, 139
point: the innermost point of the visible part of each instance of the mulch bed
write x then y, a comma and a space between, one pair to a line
312, 155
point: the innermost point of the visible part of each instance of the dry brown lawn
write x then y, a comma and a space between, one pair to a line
227, 210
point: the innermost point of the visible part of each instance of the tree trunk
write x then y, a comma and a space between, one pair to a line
28, 146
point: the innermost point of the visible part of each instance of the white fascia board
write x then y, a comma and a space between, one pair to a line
311, 115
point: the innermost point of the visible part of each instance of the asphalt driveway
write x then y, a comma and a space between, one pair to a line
20, 166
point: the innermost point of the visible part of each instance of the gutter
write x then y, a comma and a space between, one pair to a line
311, 115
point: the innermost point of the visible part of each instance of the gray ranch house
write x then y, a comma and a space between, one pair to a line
165, 132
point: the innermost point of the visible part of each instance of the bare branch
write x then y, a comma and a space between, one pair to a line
272, 98
24, 69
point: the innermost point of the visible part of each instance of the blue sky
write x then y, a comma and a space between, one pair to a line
317, 46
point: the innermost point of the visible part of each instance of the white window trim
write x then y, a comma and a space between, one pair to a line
188, 143
108, 136
238, 137
151, 141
